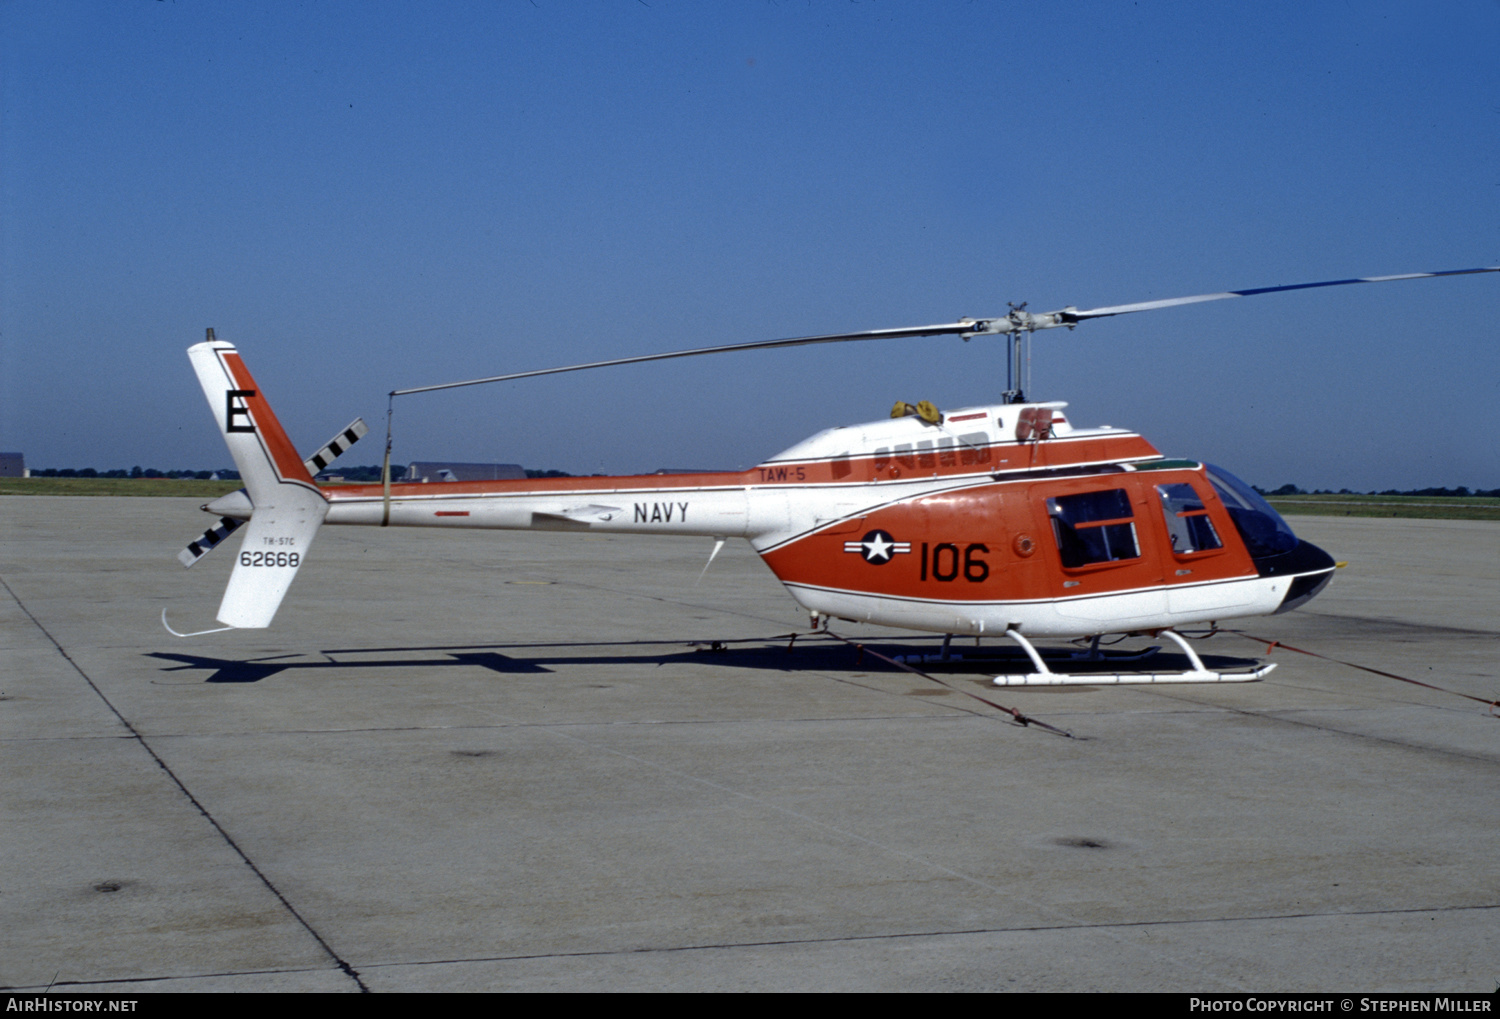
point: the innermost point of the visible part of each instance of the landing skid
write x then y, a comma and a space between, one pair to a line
1044, 676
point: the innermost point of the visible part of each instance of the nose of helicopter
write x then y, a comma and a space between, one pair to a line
1275, 550
1308, 566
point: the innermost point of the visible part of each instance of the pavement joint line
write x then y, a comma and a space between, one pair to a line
250, 733
664, 599
1384, 698
903, 854
957, 932
202, 810
930, 718
1433, 630
1271, 715
1444, 708
807, 720
847, 939
937, 709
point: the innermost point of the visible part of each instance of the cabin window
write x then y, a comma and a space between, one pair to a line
1093, 527
1187, 519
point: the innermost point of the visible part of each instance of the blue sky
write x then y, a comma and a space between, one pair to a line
371, 196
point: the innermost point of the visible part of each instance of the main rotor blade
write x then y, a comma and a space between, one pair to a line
798, 341
1017, 320
1071, 316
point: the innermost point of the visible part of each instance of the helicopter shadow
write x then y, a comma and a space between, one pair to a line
770, 654
717, 653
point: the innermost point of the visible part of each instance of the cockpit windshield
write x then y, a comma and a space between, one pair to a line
1265, 533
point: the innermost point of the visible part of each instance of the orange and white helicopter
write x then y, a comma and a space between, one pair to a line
1001, 520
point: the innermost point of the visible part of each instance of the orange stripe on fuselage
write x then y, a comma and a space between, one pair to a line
863, 469
288, 464
955, 461
541, 486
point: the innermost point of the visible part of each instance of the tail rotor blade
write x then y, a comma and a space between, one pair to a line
208, 540
336, 446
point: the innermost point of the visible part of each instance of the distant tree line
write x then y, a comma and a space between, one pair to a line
134, 472
372, 472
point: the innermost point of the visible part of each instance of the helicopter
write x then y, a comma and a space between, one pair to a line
1003, 520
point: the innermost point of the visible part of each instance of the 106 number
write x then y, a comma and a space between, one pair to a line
945, 562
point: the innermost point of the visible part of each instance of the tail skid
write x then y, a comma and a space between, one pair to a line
195, 633
289, 508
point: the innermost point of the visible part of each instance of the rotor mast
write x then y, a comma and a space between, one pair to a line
1019, 324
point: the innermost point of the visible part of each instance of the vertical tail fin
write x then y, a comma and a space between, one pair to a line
264, 455
288, 508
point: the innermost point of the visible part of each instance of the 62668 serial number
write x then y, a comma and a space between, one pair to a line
270, 558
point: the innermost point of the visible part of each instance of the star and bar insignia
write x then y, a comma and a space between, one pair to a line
877, 548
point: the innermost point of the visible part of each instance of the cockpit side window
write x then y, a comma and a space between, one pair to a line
1187, 520
1093, 527
1265, 533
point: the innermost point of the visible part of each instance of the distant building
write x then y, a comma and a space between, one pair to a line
13, 465
432, 472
